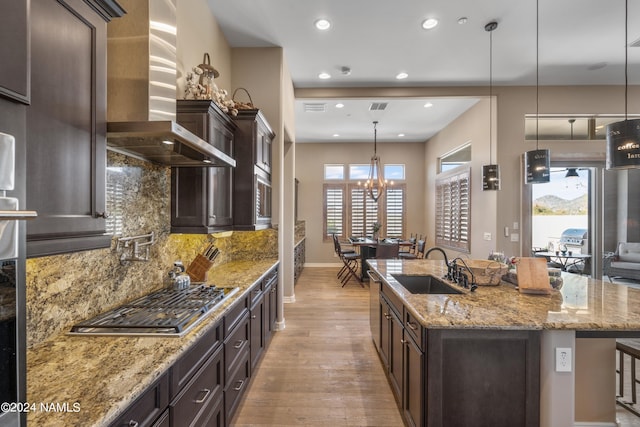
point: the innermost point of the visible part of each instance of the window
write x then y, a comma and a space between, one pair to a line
349, 211
333, 172
453, 211
455, 158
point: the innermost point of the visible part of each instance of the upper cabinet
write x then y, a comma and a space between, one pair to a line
66, 125
202, 197
252, 181
14, 50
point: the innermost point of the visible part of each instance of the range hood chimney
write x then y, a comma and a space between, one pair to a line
141, 98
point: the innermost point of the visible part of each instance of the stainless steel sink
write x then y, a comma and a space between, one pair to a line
427, 284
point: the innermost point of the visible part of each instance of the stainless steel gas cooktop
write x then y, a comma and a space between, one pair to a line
167, 312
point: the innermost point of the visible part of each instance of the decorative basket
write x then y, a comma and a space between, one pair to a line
486, 272
240, 105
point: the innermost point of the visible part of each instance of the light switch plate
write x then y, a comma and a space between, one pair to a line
515, 237
563, 359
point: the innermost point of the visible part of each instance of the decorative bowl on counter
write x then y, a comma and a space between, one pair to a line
486, 272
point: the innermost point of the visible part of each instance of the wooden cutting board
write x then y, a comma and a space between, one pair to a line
533, 277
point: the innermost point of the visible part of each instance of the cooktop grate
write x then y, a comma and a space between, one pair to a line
167, 311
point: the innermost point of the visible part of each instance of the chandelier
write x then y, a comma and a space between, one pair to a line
376, 183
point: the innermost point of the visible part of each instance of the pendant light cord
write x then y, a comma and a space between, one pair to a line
537, 70
626, 57
490, 96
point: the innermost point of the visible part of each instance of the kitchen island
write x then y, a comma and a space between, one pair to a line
496, 348
90, 380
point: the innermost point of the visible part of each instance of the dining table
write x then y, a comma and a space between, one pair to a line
366, 246
564, 259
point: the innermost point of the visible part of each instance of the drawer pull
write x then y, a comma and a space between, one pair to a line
254, 316
238, 344
133, 423
412, 326
206, 393
239, 386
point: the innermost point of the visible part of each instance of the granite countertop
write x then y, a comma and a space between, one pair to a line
102, 375
583, 304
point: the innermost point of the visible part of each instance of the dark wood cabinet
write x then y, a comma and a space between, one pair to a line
205, 386
252, 175
466, 371
202, 198
148, 408
15, 67
66, 126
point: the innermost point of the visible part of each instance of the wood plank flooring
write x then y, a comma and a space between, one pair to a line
322, 369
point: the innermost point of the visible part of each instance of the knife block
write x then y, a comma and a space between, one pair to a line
198, 268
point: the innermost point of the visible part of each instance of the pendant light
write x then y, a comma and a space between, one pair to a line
376, 184
537, 162
490, 172
623, 138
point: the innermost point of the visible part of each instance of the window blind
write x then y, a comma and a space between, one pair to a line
453, 227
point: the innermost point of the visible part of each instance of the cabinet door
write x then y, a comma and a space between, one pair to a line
413, 396
256, 325
263, 148
396, 348
14, 50
66, 125
385, 333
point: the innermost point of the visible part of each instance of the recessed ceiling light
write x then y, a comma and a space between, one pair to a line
340, 105
401, 135
335, 135
429, 23
428, 105
462, 20
324, 76
402, 76
322, 24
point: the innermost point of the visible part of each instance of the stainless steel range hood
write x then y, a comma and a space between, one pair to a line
142, 83
164, 142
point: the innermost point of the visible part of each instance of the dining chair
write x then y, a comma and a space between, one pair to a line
410, 253
387, 250
349, 260
420, 248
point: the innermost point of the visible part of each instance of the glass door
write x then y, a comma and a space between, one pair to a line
562, 216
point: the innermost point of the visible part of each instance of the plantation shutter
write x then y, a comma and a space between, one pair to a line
395, 210
453, 226
334, 210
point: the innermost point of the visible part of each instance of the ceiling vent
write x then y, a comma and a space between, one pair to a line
635, 43
378, 106
314, 107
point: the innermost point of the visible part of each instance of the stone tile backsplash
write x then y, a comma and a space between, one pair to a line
64, 289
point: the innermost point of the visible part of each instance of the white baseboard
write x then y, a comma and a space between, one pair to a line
594, 424
322, 264
289, 300
279, 326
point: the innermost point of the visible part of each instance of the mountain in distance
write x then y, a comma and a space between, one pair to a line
554, 205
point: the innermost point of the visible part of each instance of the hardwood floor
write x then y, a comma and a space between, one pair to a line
322, 369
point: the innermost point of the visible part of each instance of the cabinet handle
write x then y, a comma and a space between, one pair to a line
104, 215
253, 317
133, 423
206, 392
239, 386
238, 344
404, 341
412, 326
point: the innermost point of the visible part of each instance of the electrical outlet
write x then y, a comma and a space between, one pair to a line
487, 236
515, 237
563, 359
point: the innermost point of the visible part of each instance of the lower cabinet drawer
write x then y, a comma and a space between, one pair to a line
200, 395
236, 385
163, 421
236, 345
148, 407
